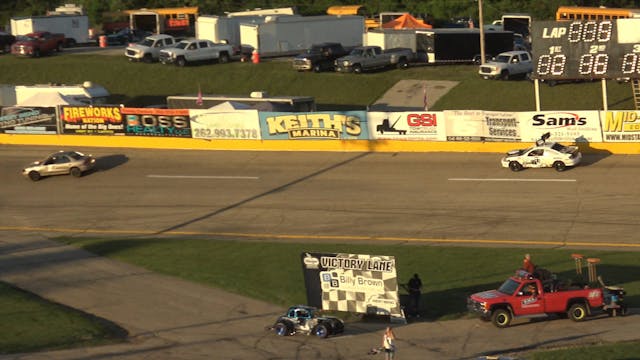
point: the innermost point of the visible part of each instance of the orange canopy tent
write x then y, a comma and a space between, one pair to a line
406, 21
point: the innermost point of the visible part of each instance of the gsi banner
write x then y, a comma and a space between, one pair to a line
564, 126
237, 124
414, 125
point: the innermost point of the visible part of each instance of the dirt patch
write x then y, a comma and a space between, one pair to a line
408, 95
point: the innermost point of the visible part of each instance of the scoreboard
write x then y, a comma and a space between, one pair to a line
586, 49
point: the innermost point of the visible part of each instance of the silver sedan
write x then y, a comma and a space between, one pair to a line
60, 163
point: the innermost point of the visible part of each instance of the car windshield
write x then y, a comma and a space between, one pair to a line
357, 52
502, 58
509, 287
75, 155
147, 42
182, 45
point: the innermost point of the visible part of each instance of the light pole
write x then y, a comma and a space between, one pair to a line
481, 26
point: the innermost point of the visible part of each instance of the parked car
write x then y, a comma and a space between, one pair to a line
543, 154
148, 50
60, 163
126, 36
6, 40
367, 58
303, 319
196, 50
38, 43
319, 58
508, 65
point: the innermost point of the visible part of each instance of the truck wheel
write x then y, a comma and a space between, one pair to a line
59, 47
321, 331
504, 75
223, 58
147, 58
181, 61
403, 64
577, 312
501, 318
281, 329
317, 68
515, 166
357, 69
559, 166
36, 52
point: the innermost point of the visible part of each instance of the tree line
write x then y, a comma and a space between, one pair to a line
434, 11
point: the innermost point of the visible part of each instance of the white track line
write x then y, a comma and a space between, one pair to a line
515, 180
202, 177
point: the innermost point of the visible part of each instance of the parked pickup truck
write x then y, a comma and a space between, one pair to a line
366, 58
148, 50
320, 57
524, 295
38, 43
507, 65
195, 50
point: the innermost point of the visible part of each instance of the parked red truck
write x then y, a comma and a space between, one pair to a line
38, 43
526, 296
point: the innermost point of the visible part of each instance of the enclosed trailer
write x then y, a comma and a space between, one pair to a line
288, 35
175, 21
391, 38
461, 45
74, 27
87, 93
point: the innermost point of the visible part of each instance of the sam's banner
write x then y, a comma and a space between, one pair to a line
329, 125
91, 120
564, 126
479, 125
352, 282
233, 125
28, 120
414, 125
156, 122
620, 126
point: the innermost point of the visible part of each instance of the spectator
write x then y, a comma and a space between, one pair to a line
528, 265
415, 290
389, 343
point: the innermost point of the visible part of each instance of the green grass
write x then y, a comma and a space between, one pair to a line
30, 323
135, 84
620, 351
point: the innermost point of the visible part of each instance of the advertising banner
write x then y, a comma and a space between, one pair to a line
239, 124
28, 120
413, 125
564, 126
620, 126
157, 122
352, 282
478, 125
330, 125
91, 120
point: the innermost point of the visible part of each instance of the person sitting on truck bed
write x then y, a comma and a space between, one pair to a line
528, 265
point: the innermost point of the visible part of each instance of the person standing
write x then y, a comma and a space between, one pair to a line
415, 290
389, 343
528, 265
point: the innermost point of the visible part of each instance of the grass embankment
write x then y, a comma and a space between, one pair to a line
135, 84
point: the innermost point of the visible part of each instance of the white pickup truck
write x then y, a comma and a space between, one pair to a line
148, 50
507, 65
195, 50
366, 58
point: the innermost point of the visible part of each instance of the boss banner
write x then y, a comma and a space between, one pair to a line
91, 120
239, 124
415, 125
32, 120
620, 126
352, 282
330, 125
157, 122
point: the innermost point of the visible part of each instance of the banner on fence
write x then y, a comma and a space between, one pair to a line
352, 282
620, 126
28, 120
479, 125
330, 125
564, 126
413, 125
233, 125
157, 122
91, 120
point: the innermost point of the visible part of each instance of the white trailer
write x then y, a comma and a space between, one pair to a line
74, 27
391, 38
288, 35
87, 93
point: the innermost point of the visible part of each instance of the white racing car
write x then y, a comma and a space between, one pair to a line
543, 154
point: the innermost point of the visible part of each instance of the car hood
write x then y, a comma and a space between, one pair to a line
487, 295
25, 42
516, 152
349, 58
309, 56
138, 47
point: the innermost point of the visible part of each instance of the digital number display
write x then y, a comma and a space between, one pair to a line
588, 49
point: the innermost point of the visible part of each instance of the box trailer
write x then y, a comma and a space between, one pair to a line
288, 35
74, 27
461, 45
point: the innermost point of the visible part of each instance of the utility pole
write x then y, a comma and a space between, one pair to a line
481, 26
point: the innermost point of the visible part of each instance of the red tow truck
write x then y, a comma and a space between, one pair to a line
38, 43
526, 295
